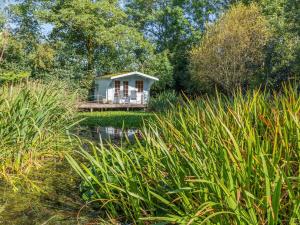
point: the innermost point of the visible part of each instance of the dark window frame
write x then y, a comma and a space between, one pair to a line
139, 85
125, 88
117, 84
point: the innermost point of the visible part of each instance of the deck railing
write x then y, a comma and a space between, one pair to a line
119, 98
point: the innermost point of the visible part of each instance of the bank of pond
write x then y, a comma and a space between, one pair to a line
215, 160
117, 119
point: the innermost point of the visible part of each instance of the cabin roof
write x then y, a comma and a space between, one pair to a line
120, 75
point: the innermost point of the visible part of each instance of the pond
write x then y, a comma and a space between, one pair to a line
112, 134
58, 200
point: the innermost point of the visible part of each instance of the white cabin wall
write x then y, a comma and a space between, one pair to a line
110, 92
149, 83
131, 85
108, 85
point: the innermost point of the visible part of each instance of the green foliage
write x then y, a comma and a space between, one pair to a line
42, 58
2, 21
11, 76
214, 161
282, 55
13, 55
25, 50
97, 31
164, 101
292, 11
174, 26
85, 38
118, 119
33, 124
160, 66
231, 53
26, 22
86, 24
75, 39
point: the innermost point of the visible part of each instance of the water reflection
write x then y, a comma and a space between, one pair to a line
113, 134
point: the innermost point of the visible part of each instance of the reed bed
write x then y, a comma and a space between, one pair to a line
212, 161
34, 119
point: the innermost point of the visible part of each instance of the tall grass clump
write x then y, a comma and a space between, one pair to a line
215, 161
34, 119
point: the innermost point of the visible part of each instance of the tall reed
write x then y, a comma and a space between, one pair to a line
33, 124
214, 161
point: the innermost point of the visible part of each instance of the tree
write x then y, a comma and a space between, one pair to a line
95, 30
174, 26
27, 26
283, 52
13, 55
292, 11
12, 66
27, 33
41, 59
231, 52
86, 38
84, 24
3, 37
11, 59
160, 66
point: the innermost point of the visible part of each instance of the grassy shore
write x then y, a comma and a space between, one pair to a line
215, 161
212, 161
125, 119
37, 185
34, 121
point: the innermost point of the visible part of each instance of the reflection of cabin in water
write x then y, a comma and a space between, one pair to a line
112, 133
131, 88
116, 133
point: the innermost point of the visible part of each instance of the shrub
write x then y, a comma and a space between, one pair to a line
231, 52
164, 101
222, 161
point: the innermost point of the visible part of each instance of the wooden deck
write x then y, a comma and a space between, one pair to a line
91, 106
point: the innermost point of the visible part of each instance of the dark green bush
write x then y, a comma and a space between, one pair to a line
164, 101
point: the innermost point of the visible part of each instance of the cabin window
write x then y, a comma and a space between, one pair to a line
125, 88
117, 87
139, 84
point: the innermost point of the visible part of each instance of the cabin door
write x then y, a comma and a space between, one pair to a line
117, 96
139, 85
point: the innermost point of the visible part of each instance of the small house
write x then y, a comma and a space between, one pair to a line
131, 88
